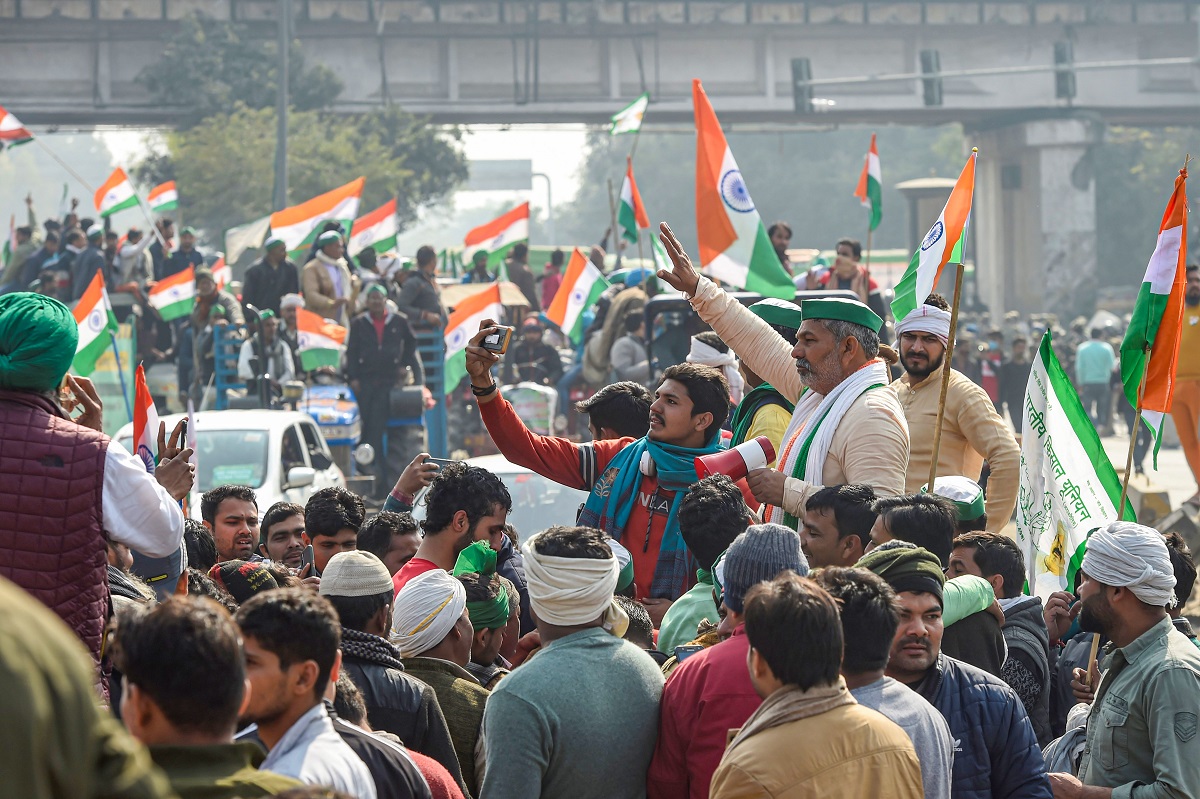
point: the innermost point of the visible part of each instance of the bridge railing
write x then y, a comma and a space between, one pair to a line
624, 12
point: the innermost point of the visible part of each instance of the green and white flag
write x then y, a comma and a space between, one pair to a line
629, 118
1068, 487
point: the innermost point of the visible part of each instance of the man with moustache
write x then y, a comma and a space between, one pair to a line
1141, 730
1185, 409
972, 430
846, 427
996, 754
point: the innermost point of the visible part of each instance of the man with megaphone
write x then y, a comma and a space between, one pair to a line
636, 485
847, 426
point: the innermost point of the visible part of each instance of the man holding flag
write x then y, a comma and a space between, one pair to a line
846, 428
84, 487
972, 429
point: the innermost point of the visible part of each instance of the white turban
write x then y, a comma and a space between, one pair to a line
291, 301
427, 608
926, 319
569, 592
1128, 555
705, 355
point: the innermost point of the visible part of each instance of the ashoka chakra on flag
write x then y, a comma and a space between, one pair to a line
734, 192
457, 339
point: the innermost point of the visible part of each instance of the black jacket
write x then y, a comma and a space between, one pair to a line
1028, 643
406, 707
419, 295
394, 772
84, 269
265, 285
368, 361
510, 564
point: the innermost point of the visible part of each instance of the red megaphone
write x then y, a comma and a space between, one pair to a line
736, 463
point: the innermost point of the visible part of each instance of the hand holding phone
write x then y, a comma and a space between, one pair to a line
498, 339
307, 558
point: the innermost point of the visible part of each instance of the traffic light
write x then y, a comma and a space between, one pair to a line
802, 92
1064, 71
931, 84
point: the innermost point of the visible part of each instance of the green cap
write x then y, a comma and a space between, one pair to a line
843, 310
375, 288
188, 231
479, 558
479, 256
906, 567
328, 237
780, 313
273, 242
964, 492
265, 315
202, 273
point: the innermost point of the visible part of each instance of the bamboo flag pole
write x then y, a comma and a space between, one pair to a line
867, 267
941, 414
612, 211
64, 164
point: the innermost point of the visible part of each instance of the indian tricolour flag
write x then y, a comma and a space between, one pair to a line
116, 194
943, 244
163, 197
582, 285
174, 296
94, 317
629, 119
319, 341
734, 245
463, 324
1150, 348
299, 225
631, 214
145, 421
870, 185
12, 132
377, 230
498, 236
1067, 485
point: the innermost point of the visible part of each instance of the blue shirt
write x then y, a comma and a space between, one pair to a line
1094, 362
311, 751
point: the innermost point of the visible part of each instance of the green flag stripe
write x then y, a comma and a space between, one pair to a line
766, 275
132, 202
1081, 425
875, 195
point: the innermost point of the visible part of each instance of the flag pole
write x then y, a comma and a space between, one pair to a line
64, 164
121, 375
612, 211
937, 430
867, 267
150, 219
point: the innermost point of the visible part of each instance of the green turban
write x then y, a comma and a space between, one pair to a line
38, 337
480, 558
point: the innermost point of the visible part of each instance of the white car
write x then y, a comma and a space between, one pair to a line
537, 502
280, 454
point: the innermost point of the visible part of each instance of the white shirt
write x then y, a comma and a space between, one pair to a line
138, 512
281, 358
311, 751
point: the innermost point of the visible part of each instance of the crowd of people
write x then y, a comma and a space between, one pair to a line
830, 625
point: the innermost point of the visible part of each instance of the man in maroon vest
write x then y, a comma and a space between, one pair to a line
65, 487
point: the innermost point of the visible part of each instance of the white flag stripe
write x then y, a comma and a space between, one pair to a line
1160, 273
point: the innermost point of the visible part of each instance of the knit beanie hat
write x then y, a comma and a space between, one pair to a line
906, 567
355, 573
242, 579
757, 555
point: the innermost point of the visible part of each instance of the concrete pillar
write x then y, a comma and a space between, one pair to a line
1035, 216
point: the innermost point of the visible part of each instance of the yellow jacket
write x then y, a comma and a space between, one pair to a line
850, 751
972, 431
871, 442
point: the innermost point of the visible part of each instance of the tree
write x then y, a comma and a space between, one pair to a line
210, 66
1135, 170
225, 165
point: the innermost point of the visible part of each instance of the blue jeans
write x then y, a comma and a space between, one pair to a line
564, 388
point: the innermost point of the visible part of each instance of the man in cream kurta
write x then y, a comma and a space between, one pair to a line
870, 442
972, 430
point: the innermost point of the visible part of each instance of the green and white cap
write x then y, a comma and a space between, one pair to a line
625, 559
964, 492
